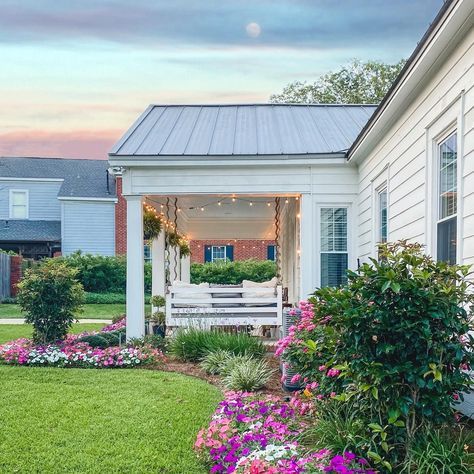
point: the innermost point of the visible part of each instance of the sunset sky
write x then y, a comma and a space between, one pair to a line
76, 73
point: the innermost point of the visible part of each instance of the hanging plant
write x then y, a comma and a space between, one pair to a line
184, 249
173, 238
151, 225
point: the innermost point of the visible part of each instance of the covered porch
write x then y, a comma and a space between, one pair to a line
227, 218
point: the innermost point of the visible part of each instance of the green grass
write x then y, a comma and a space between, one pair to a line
91, 311
8, 332
96, 421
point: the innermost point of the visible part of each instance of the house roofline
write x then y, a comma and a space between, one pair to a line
432, 34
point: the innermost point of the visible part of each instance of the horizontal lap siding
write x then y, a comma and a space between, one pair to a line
88, 226
402, 151
43, 199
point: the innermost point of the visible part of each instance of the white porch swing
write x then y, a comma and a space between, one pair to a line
206, 305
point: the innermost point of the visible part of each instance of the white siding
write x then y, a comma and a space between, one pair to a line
405, 149
88, 226
43, 198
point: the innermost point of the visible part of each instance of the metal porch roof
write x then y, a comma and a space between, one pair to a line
251, 129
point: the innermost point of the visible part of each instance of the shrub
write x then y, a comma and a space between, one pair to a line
232, 273
214, 362
113, 338
50, 295
95, 340
248, 375
101, 274
104, 298
150, 340
393, 341
193, 344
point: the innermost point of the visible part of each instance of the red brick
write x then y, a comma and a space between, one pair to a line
243, 249
120, 220
15, 273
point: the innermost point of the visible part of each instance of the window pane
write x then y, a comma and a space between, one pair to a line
447, 240
18, 198
333, 269
19, 212
448, 177
383, 216
218, 252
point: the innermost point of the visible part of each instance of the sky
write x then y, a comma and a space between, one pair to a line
75, 74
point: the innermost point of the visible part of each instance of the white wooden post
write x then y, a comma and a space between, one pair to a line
307, 246
174, 272
158, 278
135, 268
186, 269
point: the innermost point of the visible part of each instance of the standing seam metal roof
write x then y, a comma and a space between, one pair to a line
247, 129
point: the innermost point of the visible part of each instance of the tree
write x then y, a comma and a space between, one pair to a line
357, 83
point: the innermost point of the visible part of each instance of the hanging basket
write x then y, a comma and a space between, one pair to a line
151, 225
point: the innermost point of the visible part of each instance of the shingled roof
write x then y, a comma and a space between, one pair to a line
30, 231
82, 178
248, 129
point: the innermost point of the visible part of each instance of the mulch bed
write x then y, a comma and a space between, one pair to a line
193, 369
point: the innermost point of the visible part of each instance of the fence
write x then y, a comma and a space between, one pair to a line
5, 270
10, 274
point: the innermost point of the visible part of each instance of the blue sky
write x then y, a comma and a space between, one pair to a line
76, 73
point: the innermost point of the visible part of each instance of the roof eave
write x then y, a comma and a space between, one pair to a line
444, 28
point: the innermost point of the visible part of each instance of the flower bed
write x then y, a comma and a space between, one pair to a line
72, 352
251, 434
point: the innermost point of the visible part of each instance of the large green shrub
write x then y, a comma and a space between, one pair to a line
50, 295
102, 274
394, 341
232, 273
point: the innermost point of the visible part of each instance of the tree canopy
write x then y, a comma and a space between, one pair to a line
357, 83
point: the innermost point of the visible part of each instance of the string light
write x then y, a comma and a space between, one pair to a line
233, 199
286, 201
250, 203
202, 209
269, 204
297, 198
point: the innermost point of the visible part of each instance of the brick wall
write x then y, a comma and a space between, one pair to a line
15, 273
120, 220
243, 249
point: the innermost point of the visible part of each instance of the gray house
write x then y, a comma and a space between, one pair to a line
50, 205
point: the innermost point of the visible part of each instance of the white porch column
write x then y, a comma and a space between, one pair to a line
308, 234
135, 271
175, 273
158, 278
186, 269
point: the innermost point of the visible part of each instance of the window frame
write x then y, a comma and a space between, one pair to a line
219, 259
348, 251
379, 183
437, 211
382, 189
27, 203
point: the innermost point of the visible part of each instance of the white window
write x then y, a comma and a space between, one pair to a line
334, 252
218, 253
446, 231
147, 252
382, 211
18, 204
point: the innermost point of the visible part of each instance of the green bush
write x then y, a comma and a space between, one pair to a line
194, 344
394, 342
154, 340
248, 374
104, 298
94, 340
112, 338
233, 273
214, 362
101, 274
50, 296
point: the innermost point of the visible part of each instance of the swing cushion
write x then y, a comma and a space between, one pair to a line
195, 296
258, 294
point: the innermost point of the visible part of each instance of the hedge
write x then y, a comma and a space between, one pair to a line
232, 273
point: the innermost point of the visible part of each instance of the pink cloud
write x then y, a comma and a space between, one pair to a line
74, 144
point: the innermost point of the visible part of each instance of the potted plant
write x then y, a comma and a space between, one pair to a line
158, 317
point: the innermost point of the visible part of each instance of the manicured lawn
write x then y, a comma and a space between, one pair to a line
91, 311
97, 421
8, 332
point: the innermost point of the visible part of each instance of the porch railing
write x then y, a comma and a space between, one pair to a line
210, 307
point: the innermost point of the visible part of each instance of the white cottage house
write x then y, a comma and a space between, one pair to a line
328, 182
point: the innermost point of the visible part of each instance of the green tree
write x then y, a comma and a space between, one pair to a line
357, 83
50, 295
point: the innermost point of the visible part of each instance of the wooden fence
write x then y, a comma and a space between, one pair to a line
5, 274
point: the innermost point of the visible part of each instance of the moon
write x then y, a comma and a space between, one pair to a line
253, 30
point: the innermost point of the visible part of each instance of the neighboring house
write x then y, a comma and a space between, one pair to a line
233, 249
51, 205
